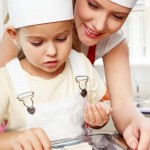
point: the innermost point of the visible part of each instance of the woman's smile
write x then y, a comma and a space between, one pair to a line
90, 33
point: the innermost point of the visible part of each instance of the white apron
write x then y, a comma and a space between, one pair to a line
63, 119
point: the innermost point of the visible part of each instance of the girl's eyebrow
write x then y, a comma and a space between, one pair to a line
34, 37
67, 31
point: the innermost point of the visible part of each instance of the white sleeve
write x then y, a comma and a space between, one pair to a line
109, 43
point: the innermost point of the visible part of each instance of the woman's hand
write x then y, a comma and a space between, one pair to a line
97, 115
32, 139
137, 134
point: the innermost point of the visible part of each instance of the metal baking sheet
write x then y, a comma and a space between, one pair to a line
97, 141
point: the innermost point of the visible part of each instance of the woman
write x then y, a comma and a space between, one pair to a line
98, 22
95, 20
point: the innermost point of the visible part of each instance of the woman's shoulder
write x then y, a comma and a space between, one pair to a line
113, 38
108, 43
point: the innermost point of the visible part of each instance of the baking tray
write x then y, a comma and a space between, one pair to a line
97, 141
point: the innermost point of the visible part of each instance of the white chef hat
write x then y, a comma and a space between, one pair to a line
32, 12
125, 3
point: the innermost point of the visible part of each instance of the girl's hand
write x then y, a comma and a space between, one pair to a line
32, 139
97, 115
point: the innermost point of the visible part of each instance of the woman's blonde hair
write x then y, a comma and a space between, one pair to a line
76, 42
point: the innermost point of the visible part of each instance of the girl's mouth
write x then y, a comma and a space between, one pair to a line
51, 64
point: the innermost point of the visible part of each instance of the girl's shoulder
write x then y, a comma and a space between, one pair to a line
83, 58
3, 71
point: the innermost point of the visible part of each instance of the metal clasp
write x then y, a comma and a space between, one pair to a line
82, 80
27, 99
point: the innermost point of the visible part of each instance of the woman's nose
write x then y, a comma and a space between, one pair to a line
100, 22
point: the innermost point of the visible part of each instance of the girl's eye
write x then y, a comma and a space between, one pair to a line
36, 43
61, 39
92, 5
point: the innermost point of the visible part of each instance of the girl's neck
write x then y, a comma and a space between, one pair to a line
35, 71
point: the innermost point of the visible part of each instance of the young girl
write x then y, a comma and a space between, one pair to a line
50, 91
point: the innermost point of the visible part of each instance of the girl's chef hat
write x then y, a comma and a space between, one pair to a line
32, 12
125, 3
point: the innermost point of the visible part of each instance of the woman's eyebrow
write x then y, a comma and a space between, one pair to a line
115, 11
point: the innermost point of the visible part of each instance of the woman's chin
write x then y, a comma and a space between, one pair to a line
88, 42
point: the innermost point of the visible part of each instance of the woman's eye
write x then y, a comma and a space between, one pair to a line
92, 5
61, 39
118, 17
36, 43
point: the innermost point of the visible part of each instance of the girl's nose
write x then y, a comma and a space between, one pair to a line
51, 50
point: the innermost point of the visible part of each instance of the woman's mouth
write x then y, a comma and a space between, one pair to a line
90, 33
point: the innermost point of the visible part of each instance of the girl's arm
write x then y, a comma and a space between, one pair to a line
8, 49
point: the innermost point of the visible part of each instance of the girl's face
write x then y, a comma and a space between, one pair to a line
97, 19
46, 47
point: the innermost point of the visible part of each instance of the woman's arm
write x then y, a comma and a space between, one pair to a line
128, 120
7, 49
117, 71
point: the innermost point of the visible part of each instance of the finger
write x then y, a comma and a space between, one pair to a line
149, 147
97, 115
23, 141
35, 142
106, 107
102, 112
89, 114
86, 117
131, 137
45, 142
27, 145
17, 146
144, 140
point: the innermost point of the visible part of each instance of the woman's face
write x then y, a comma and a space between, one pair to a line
97, 19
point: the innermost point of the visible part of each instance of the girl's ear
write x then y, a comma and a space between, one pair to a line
12, 32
